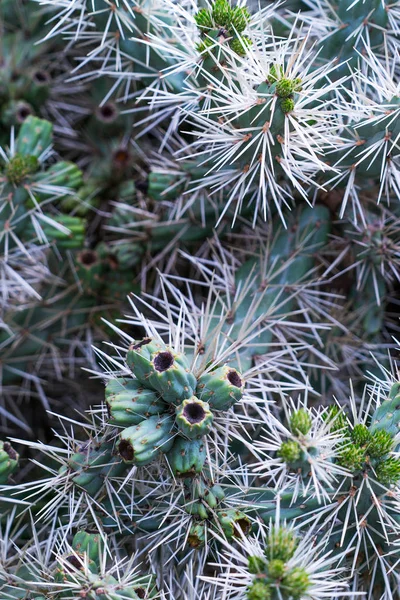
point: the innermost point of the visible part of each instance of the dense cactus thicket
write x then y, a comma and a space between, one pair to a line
199, 299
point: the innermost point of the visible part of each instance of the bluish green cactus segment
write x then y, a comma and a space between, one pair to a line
387, 415
91, 465
221, 388
89, 543
132, 404
187, 457
161, 369
234, 523
140, 444
34, 137
343, 43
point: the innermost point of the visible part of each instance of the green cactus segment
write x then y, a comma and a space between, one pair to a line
234, 523
90, 270
132, 404
165, 186
161, 369
223, 24
194, 417
34, 137
62, 174
197, 535
141, 444
8, 461
371, 17
274, 575
89, 543
186, 457
221, 388
202, 498
70, 235
368, 142
91, 464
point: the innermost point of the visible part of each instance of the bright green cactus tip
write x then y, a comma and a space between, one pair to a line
274, 577
365, 449
222, 22
19, 167
300, 422
290, 451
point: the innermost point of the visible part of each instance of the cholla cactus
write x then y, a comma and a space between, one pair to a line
26, 191
348, 461
278, 563
231, 444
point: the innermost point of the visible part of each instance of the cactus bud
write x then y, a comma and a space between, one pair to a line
259, 591
281, 544
289, 451
300, 422
256, 565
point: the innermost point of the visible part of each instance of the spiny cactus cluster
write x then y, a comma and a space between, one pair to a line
199, 281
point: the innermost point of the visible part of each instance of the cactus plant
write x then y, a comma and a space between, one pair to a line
199, 206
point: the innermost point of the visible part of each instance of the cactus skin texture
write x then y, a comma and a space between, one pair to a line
89, 543
387, 415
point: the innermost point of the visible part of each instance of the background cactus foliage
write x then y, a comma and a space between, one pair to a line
199, 299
